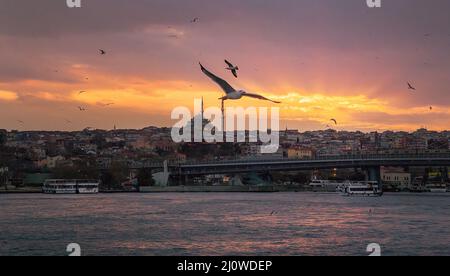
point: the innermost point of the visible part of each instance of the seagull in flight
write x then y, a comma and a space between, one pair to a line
81, 92
232, 68
195, 20
334, 120
231, 93
410, 87
81, 108
102, 52
20, 122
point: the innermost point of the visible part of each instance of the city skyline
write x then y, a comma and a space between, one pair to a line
321, 60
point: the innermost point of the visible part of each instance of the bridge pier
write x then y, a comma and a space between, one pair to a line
445, 174
374, 174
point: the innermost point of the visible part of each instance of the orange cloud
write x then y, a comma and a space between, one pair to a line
8, 96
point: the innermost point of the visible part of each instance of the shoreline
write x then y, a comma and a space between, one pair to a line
212, 189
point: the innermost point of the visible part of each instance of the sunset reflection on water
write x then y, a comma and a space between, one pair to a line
224, 224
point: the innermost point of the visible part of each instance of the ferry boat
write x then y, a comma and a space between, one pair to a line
324, 185
359, 189
436, 188
72, 186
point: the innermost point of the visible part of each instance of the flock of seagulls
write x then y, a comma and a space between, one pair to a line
81, 108
103, 52
230, 92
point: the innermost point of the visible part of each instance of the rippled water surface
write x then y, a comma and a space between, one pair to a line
224, 224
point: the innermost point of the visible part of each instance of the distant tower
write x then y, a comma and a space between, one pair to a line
203, 111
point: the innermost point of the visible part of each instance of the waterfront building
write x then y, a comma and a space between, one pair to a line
395, 178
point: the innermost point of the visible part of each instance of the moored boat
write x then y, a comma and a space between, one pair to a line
436, 188
368, 189
70, 186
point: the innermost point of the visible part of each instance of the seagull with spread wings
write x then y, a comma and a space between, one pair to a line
102, 52
410, 87
231, 93
334, 120
232, 68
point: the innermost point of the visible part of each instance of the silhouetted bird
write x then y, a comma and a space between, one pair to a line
232, 68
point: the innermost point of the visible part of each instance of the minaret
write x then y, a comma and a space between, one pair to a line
203, 111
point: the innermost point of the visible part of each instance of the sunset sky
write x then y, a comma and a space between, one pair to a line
322, 58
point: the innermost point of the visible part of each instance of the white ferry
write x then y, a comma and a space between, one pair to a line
324, 185
72, 186
359, 189
436, 188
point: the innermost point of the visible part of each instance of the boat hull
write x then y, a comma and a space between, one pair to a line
438, 190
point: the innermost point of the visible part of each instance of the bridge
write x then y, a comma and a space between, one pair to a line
330, 162
371, 163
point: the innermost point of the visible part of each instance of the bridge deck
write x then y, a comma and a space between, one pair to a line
280, 164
